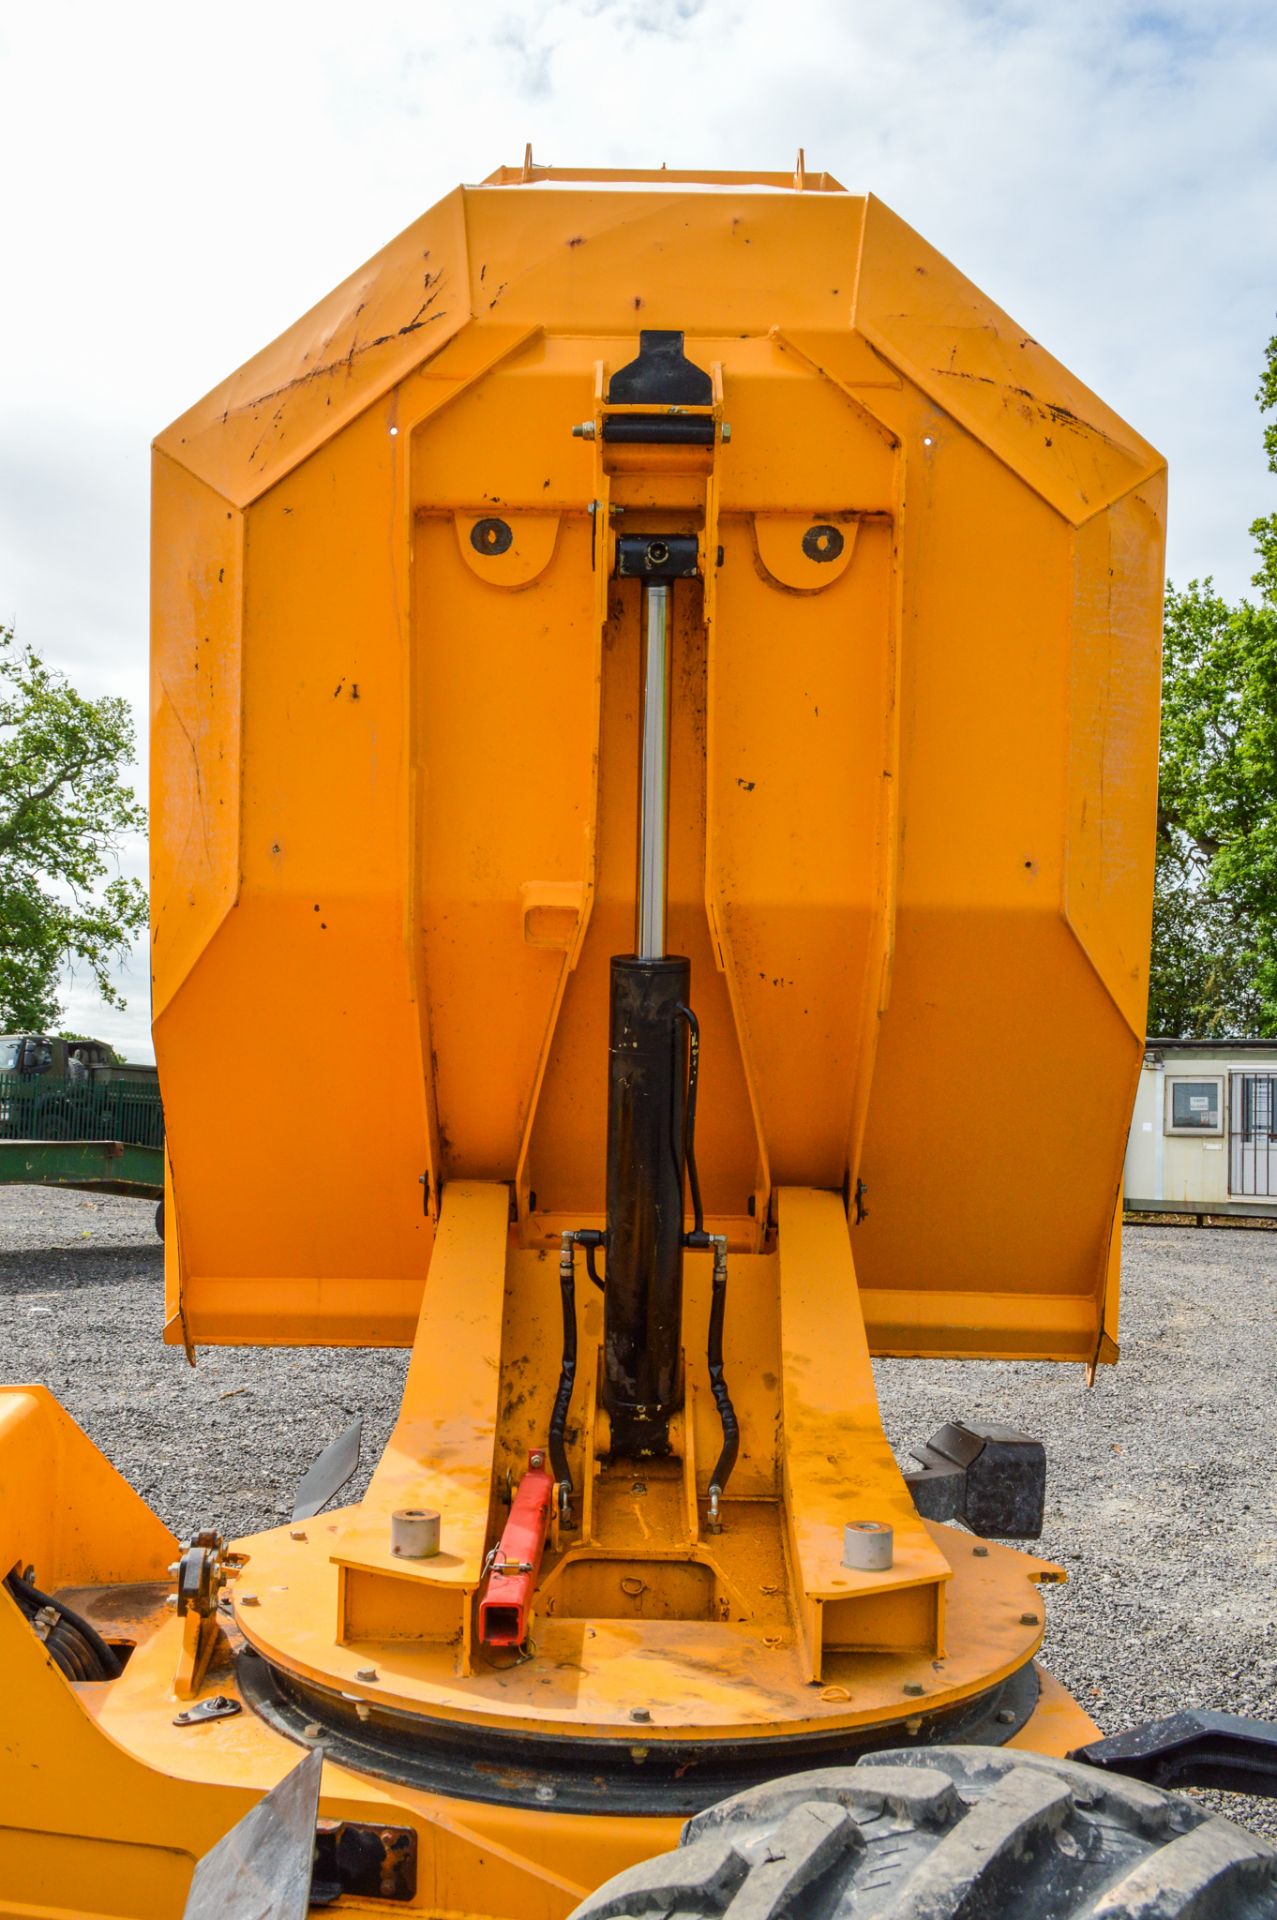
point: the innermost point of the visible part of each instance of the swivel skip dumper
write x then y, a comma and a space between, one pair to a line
657, 676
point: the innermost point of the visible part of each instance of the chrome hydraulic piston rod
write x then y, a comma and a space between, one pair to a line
654, 786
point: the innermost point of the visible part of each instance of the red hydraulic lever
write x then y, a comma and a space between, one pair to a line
516, 1559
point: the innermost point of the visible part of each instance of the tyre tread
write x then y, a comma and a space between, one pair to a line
957, 1833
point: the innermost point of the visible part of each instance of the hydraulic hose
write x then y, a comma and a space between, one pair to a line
31, 1600
567, 1373
718, 1292
697, 1236
718, 1383
69, 1652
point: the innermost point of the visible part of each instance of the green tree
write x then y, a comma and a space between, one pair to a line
64, 814
1214, 966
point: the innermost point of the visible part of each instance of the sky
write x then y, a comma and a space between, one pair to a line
181, 182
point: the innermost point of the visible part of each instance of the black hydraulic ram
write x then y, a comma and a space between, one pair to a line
643, 1300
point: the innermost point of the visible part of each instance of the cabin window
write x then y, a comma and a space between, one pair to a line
1194, 1106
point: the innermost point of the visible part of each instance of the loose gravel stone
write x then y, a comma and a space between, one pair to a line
1160, 1496
220, 1444
1160, 1501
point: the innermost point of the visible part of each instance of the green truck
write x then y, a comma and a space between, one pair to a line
72, 1114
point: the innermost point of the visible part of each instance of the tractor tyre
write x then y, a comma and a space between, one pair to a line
159, 1219
955, 1833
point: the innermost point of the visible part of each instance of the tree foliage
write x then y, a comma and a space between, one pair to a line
65, 813
1214, 968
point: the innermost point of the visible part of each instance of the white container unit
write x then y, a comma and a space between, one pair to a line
1204, 1133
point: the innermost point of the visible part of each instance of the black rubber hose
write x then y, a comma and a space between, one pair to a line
30, 1597
61, 1659
567, 1372
718, 1383
71, 1651
693, 1076
590, 1267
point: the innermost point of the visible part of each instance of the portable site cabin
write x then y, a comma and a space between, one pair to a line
1204, 1133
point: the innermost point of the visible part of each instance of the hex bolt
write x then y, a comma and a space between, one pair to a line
725, 432
1005, 1717
248, 1600
585, 431
545, 1791
913, 1725
640, 1713
362, 1710
367, 1673
1029, 1620
297, 1533
981, 1553
913, 1687
311, 1730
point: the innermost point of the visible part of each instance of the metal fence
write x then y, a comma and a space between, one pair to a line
35, 1109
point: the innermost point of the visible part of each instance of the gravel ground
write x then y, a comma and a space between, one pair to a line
1159, 1499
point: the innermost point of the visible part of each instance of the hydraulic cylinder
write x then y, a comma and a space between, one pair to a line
643, 1302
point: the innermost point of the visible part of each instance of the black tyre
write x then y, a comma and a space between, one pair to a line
960, 1833
159, 1219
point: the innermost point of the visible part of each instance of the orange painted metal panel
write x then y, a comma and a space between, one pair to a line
398, 848
350, 350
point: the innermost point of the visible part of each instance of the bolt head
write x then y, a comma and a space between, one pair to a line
640, 1713
248, 1600
1029, 1620
1005, 1717
367, 1673
726, 431
913, 1687
297, 1533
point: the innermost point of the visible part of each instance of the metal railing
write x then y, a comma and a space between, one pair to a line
1253, 1131
32, 1108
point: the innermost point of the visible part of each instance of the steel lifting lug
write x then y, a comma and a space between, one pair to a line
202, 1572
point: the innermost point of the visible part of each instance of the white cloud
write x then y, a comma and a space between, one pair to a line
182, 182
126, 1029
